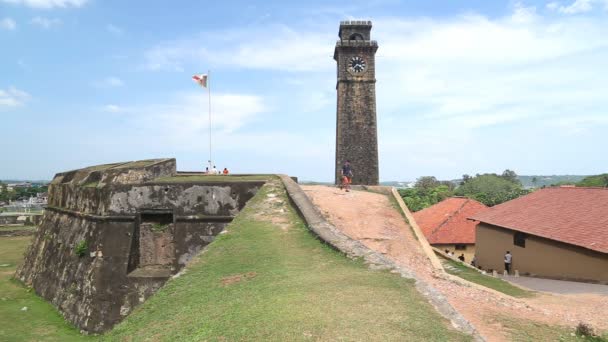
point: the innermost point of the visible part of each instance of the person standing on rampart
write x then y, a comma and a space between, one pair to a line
347, 175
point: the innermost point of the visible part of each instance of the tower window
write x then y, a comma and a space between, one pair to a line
355, 36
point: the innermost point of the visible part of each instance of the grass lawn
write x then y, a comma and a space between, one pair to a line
40, 322
276, 282
525, 330
471, 275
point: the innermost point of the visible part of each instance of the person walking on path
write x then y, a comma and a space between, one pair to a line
225, 172
508, 260
346, 174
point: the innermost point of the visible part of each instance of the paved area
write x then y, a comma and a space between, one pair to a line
558, 286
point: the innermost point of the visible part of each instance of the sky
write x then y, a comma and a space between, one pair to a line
463, 87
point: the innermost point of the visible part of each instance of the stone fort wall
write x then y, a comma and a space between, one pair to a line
104, 246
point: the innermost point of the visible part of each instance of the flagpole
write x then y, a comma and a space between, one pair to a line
209, 93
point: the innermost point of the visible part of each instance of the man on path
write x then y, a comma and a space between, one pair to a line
508, 259
346, 174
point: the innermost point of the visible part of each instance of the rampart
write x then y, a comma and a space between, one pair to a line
114, 234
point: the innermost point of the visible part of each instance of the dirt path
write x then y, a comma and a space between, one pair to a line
370, 218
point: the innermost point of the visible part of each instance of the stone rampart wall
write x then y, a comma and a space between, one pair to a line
99, 252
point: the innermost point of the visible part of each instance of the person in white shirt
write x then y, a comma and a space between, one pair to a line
508, 259
214, 170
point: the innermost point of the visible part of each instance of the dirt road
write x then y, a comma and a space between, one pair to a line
371, 219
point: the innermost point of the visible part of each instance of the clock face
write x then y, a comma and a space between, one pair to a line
356, 65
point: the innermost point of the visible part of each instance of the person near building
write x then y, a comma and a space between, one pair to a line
508, 261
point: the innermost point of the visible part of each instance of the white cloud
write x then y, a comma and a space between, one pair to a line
114, 29
184, 115
284, 49
109, 82
13, 97
45, 23
523, 14
576, 7
113, 108
8, 24
47, 4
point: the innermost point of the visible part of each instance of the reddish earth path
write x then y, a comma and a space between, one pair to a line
371, 219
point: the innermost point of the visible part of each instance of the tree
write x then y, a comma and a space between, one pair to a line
426, 183
511, 176
534, 180
417, 198
491, 189
595, 181
465, 178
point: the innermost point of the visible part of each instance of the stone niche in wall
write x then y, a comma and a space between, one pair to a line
113, 234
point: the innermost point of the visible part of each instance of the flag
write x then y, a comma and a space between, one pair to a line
201, 80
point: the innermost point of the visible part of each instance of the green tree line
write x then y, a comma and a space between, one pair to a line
490, 189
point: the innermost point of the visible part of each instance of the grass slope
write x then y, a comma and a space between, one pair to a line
265, 281
529, 331
40, 322
471, 275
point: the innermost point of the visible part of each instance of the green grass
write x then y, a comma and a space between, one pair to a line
526, 330
137, 164
472, 275
261, 282
211, 178
40, 322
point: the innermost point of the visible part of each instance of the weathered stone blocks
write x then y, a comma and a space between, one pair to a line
106, 245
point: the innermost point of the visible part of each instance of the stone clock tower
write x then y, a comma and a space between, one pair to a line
356, 129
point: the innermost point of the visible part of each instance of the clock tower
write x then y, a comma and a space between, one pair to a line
356, 128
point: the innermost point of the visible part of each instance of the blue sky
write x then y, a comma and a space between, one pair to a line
462, 86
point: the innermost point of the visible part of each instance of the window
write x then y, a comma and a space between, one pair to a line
519, 239
355, 36
460, 247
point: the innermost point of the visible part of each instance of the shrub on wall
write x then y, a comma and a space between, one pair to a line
81, 248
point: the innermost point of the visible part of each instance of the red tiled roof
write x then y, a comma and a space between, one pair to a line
446, 222
578, 216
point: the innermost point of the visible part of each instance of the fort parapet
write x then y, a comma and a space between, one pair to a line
114, 234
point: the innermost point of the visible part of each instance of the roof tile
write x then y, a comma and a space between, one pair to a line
578, 216
446, 222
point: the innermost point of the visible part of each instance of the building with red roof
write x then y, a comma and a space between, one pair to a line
559, 233
446, 226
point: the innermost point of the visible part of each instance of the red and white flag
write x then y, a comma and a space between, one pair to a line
201, 80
